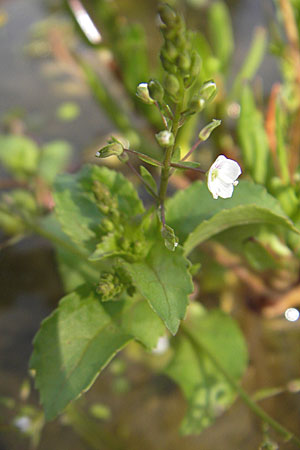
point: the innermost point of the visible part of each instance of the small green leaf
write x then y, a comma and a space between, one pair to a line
207, 392
19, 155
189, 164
80, 338
164, 280
147, 176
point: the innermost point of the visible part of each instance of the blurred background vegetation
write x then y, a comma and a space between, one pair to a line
58, 88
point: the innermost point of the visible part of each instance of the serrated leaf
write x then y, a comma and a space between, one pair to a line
207, 392
76, 206
147, 176
164, 280
80, 338
188, 209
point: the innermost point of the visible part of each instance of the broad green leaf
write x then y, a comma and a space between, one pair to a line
190, 207
207, 391
240, 215
53, 159
19, 155
80, 338
76, 206
164, 280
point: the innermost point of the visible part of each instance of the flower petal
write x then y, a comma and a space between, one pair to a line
230, 169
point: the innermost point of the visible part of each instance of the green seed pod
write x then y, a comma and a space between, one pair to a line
171, 84
167, 14
156, 90
208, 129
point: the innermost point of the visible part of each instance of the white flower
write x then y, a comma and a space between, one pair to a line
23, 423
222, 177
162, 346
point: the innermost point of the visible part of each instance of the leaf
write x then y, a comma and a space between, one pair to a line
189, 165
147, 176
54, 158
164, 280
80, 338
240, 215
253, 59
253, 138
189, 208
19, 155
76, 206
220, 28
207, 392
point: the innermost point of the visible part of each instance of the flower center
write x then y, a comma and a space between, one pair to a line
214, 174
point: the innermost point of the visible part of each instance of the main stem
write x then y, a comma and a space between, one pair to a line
288, 435
167, 161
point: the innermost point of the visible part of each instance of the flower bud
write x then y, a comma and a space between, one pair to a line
171, 84
167, 14
142, 92
112, 149
170, 51
196, 104
184, 62
208, 129
156, 90
195, 65
208, 90
165, 138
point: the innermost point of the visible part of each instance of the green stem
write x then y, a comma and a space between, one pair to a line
288, 435
168, 155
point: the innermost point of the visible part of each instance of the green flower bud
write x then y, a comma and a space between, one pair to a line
184, 62
208, 129
172, 84
166, 63
165, 138
109, 287
170, 51
196, 104
142, 93
196, 63
112, 149
208, 90
167, 14
156, 90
